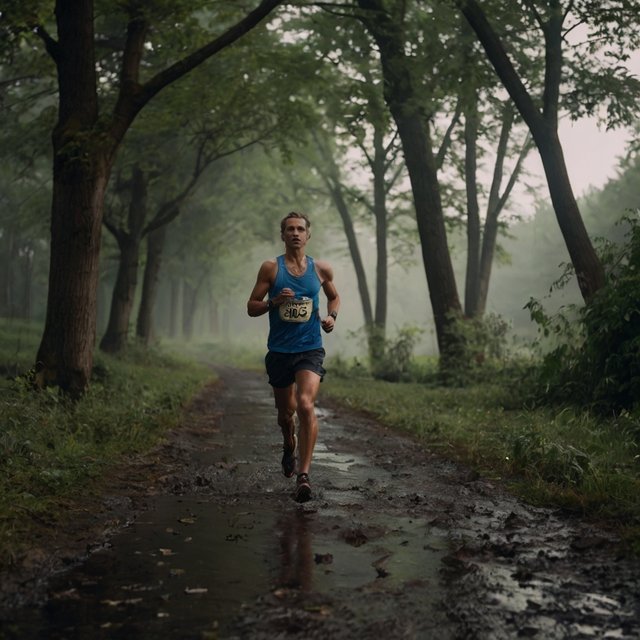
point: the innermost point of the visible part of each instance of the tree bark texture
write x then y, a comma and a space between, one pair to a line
65, 356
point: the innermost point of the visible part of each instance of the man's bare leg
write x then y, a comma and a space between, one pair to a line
285, 400
286, 405
307, 386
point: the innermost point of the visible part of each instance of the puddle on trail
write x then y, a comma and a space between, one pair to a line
188, 565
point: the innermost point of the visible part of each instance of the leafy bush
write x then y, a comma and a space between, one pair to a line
481, 342
597, 358
394, 364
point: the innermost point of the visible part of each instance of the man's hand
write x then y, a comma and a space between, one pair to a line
328, 323
283, 296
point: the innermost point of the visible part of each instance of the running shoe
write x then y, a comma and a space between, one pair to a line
289, 458
303, 488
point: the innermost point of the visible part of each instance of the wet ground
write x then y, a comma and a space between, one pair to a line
396, 543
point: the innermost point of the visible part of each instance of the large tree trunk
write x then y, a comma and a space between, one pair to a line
65, 356
443, 292
81, 167
155, 246
414, 134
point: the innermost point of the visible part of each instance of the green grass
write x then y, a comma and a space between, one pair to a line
51, 449
548, 456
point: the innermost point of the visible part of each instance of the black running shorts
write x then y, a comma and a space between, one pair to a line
282, 367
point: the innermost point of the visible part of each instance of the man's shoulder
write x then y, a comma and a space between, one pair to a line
322, 265
323, 269
269, 267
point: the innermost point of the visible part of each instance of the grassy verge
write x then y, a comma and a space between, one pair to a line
51, 449
549, 456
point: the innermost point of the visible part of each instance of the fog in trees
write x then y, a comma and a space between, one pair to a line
297, 97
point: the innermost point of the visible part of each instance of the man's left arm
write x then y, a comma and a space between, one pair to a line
333, 299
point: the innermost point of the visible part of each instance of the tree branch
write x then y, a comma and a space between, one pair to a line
51, 45
501, 62
182, 67
446, 140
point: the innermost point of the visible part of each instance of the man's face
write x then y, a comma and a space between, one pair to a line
295, 234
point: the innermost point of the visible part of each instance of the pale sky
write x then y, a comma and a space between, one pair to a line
591, 153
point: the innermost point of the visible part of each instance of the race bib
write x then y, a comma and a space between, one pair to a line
296, 310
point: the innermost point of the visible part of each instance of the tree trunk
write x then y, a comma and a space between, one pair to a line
414, 134
117, 333
155, 246
472, 284
65, 356
28, 283
443, 292
378, 337
129, 239
354, 250
189, 294
587, 265
6, 273
404, 104
81, 167
174, 306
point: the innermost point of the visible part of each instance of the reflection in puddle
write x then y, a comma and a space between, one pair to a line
296, 556
321, 553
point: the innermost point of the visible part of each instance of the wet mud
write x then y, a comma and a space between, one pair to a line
396, 543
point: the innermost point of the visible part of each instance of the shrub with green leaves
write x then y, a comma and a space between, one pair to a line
597, 358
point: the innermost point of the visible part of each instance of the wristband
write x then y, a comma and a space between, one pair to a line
270, 305
334, 315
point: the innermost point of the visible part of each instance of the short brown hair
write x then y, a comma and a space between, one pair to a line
294, 214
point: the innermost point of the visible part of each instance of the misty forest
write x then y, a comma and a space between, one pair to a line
489, 316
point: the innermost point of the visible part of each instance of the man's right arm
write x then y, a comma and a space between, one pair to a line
257, 305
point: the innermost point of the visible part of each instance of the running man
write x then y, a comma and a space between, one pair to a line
292, 283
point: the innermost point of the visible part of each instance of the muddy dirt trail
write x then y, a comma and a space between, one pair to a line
396, 543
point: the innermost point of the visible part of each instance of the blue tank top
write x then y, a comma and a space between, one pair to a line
295, 325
